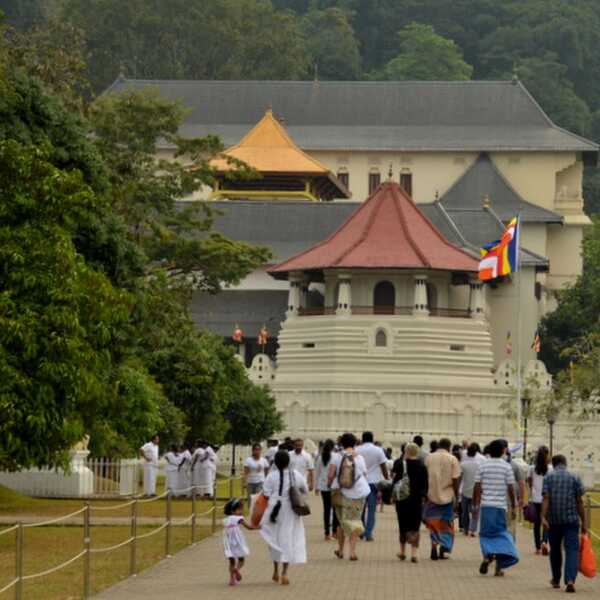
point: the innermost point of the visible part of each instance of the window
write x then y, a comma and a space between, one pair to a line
384, 298
344, 177
431, 296
380, 338
374, 181
406, 183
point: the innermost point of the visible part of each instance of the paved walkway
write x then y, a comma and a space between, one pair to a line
201, 572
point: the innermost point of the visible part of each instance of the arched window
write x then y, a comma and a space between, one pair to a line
432, 299
384, 298
381, 338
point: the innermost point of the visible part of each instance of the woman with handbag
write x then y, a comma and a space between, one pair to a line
535, 480
282, 526
347, 479
409, 493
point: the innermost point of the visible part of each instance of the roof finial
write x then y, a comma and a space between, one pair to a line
281, 119
437, 195
390, 173
487, 203
269, 110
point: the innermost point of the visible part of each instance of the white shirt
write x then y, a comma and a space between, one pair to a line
537, 484
150, 452
270, 453
271, 486
361, 488
495, 475
321, 472
173, 461
302, 462
374, 457
256, 469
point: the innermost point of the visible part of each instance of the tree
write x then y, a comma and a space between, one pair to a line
425, 55
331, 44
60, 321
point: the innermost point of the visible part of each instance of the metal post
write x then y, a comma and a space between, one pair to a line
231, 487
86, 557
551, 426
214, 513
233, 460
19, 563
133, 547
588, 510
168, 536
193, 515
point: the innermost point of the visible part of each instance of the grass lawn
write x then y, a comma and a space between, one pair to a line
15, 504
45, 547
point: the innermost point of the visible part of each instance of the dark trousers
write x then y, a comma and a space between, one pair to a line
330, 520
538, 536
569, 534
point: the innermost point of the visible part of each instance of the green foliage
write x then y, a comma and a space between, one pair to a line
331, 44
426, 55
251, 415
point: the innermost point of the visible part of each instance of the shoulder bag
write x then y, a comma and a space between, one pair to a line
298, 498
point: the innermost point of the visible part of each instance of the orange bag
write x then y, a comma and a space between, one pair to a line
258, 509
587, 558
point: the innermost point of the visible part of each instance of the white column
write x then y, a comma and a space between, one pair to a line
344, 299
304, 292
476, 305
294, 296
420, 308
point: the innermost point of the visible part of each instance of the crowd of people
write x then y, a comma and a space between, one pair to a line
478, 492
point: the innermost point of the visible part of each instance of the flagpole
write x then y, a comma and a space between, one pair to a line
519, 382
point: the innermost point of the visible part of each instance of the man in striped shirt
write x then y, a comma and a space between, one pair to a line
494, 491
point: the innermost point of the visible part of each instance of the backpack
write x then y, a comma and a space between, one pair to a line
402, 487
347, 472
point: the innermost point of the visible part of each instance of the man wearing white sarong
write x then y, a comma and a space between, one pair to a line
281, 527
172, 468
149, 455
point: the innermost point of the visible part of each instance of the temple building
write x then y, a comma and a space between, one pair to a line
427, 341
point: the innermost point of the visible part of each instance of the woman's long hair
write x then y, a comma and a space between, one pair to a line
326, 452
282, 461
541, 460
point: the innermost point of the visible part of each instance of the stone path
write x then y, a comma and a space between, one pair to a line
201, 572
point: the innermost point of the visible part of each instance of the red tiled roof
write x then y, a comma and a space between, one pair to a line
387, 231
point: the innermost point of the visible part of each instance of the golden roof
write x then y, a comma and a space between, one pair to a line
268, 148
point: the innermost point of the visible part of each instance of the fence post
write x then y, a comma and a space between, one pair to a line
86, 557
133, 548
214, 513
19, 563
168, 536
193, 515
230, 488
588, 511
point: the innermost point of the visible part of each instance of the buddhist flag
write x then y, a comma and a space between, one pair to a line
263, 336
501, 257
237, 335
508, 344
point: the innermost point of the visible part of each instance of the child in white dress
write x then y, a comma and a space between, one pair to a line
234, 542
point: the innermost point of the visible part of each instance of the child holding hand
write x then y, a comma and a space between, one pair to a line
234, 542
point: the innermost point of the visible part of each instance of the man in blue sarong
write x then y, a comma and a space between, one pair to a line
494, 491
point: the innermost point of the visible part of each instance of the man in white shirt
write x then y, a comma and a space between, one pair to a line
303, 462
376, 462
149, 456
272, 447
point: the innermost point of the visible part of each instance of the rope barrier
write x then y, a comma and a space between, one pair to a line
145, 501
51, 521
182, 521
61, 566
115, 507
146, 535
110, 548
594, 534
206, 512
9, 529
11, 584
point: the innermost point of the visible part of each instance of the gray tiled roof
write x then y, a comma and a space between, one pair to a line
353, 115
482, 179
249, 309
287, 227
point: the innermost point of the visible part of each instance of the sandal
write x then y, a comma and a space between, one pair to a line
275, 578
401, 556
285, 580
354, 557
338, 554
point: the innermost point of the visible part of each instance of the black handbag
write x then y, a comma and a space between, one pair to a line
298, 498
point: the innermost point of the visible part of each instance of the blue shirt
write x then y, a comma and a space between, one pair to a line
563, 489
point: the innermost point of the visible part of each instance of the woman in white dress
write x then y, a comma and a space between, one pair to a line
281, 527
172, 468
185, 474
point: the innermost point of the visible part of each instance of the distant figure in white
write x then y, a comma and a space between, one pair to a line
204, 468
185, 472
303, 462
149, 456
172, 468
